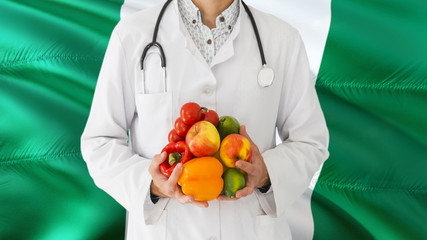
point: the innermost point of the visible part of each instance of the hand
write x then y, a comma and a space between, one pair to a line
257, 174
163, 186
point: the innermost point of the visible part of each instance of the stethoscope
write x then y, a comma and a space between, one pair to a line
265, 74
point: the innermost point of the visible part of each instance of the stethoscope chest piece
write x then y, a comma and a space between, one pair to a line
265, 76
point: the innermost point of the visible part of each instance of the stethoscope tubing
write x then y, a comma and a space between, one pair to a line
258, 39
154, 43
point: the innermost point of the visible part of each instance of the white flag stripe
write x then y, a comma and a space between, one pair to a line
312, 19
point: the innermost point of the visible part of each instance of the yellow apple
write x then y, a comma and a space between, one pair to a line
203, 139
235, 147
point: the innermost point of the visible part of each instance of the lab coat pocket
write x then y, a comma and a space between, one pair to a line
154, 121
136, 229
265, 226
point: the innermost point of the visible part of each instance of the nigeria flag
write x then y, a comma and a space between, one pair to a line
369, 61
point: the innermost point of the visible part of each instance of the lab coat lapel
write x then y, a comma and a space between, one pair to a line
189, 43
227, 50
191, 46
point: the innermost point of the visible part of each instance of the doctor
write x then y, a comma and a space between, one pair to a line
212, 57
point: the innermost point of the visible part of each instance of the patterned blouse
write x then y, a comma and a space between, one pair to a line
208, 41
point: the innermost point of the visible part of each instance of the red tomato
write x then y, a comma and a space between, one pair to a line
174, 137
181, 128
210, 115
191, 113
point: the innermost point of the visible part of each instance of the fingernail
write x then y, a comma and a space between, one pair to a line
238, 164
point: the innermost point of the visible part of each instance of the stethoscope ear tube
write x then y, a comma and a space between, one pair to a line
162, 62
154, 42
162, 54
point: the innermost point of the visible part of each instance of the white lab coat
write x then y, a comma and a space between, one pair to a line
229, 85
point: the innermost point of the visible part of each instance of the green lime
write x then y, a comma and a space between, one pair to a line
228, 125
233, 182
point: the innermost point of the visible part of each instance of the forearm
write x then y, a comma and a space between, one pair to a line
114, 168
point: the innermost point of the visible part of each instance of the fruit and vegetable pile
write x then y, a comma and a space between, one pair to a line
208, 147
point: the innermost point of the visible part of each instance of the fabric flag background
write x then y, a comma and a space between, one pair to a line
50, 56
372, 84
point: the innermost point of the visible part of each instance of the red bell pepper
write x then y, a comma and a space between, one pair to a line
176, 152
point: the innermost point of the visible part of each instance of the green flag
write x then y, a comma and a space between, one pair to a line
372, 86
50, 56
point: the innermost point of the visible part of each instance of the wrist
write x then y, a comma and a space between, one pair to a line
265, 185
154, 190
265, 179
264, 182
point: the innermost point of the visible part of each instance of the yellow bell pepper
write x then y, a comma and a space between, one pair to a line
201, 177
